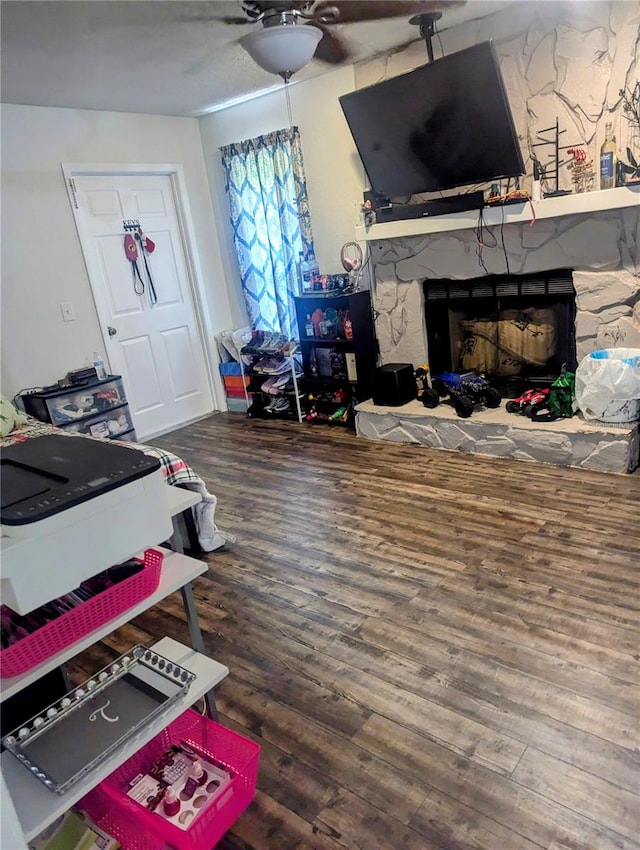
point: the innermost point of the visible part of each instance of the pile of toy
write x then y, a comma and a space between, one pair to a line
604, 387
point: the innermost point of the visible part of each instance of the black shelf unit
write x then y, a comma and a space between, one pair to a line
333, 361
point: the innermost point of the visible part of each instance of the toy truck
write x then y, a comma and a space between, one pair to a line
465, 390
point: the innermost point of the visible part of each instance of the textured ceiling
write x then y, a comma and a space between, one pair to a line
170, 57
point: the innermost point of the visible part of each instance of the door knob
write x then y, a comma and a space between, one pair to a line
112, 331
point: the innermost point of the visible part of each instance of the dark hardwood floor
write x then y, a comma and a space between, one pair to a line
436, 651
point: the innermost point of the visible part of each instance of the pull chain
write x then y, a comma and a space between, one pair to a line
288, 98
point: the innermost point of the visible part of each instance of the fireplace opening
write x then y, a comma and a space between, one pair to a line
518, 330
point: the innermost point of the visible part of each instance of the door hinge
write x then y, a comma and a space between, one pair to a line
74, 192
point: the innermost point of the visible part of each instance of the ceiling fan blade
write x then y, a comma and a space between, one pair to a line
253, 9
353, 11
229, 20
331, 48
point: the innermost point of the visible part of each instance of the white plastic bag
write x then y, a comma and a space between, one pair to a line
608, 385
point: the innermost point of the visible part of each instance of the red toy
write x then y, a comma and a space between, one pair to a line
529, 401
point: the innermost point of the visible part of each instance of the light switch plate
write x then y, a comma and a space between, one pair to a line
68, 313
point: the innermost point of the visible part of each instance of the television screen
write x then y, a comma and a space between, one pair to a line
443, 125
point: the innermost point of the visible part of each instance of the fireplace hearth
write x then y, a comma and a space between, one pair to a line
518, 330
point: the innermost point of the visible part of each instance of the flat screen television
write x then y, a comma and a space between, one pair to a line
443, 125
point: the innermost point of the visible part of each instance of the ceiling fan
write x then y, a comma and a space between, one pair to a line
294, 31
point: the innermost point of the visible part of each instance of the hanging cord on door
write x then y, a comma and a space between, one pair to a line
147, 247
131, 253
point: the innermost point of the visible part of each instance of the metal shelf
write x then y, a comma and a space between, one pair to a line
177, 570
37, 807
249, 373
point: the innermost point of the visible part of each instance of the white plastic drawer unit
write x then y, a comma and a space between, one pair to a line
107, 425
72, 406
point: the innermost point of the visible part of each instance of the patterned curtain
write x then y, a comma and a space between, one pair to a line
269, 210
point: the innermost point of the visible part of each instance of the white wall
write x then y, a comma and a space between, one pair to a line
335, 178
42, 263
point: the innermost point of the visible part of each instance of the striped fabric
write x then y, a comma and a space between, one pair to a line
269, 213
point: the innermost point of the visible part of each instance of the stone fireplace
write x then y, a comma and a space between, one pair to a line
561, 61
517, 330
602, 249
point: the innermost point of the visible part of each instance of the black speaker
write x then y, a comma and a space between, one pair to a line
394, 384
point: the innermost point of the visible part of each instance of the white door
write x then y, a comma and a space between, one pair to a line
156, 347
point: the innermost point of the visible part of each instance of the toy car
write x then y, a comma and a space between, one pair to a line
528, 402
465, 391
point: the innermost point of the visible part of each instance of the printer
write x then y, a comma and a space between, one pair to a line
69, 508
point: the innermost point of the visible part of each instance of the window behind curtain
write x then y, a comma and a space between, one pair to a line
269, 211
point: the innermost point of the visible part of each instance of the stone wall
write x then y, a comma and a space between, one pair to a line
558, 59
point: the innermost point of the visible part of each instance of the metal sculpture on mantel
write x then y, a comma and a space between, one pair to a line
551, 170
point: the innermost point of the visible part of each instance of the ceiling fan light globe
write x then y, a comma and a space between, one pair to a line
282, 50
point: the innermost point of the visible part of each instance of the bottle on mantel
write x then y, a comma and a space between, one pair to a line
608, 158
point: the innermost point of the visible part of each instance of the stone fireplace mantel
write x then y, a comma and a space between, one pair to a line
597, 235
567, 205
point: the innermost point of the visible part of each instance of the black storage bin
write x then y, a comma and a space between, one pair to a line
394, 384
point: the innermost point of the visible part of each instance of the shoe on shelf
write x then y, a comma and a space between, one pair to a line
252, 346
266, 342
264, 365
278, 367
282, 345
268, 387
273, 342
280, 405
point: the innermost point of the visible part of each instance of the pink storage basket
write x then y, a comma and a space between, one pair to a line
136, 828
91, 615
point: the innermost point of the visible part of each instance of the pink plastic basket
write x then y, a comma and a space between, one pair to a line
136, 828
91, 615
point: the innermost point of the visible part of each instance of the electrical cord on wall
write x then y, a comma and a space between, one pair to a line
365, 264
482, 231
504, 250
